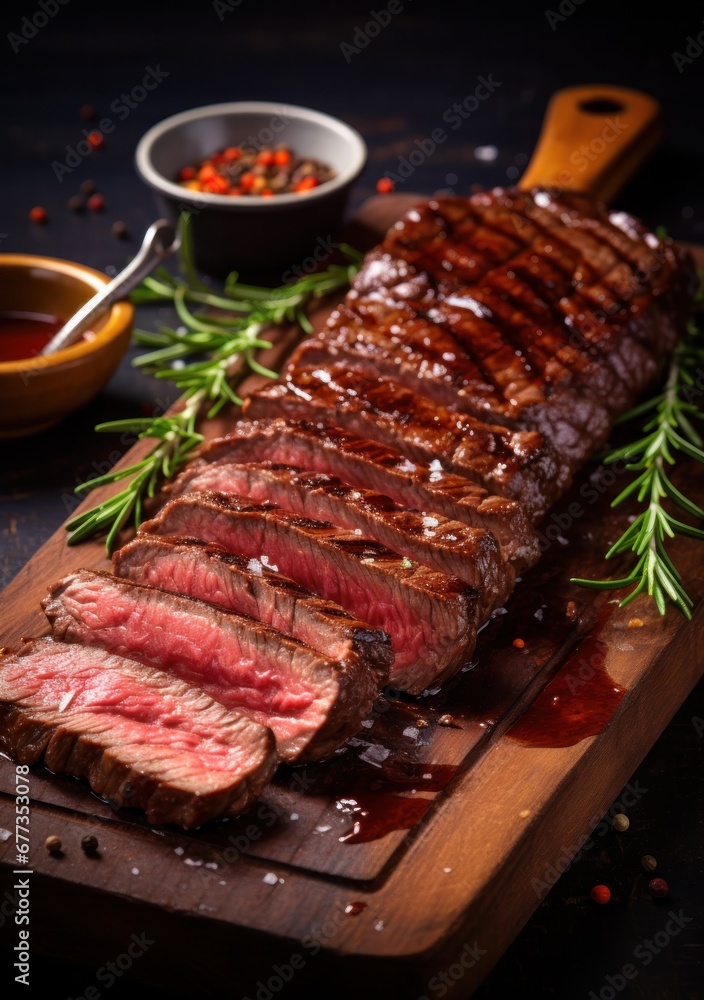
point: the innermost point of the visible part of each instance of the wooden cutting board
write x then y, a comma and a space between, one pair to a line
461, 829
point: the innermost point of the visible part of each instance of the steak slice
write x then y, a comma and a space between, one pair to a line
430, 617
141, 737
357, 461
517, 464
471, 554
311, 704
212, 574
521, 308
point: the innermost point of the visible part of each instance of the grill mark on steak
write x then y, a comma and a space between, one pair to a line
517, 464
312, 704
469, 553
431, 617
367, 464
210, 573
142, 738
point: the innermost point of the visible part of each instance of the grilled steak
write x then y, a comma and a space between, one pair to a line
140, 737
310, 703
211, 573
543, 314
520, 307
368, 465
471, 554
430, 617
517, 464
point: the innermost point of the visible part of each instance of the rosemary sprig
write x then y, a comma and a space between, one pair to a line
219, 343
667, 433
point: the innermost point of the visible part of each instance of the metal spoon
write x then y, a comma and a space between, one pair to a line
160, 241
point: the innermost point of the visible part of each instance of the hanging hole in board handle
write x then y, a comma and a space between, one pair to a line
594, 139
601, 106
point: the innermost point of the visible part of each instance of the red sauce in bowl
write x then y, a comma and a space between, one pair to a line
25, 334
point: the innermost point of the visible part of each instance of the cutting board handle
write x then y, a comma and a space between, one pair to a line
593, 140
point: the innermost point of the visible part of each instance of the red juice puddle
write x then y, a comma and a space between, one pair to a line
25, 334
376, 806
578, 702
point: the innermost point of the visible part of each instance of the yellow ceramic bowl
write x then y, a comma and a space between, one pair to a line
39, 392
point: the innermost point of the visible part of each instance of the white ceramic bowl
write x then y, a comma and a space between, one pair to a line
250, 234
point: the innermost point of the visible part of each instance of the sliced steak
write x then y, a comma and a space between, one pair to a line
517, 464
311, 704
212, 574
142, 738
471, 554
430, 617
360, 462
521, 308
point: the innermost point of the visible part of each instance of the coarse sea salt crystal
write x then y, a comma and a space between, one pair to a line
487, 154
411, 732
270, 878
66, 700
375, 755
178, 850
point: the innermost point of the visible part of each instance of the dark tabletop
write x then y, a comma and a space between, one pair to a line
394, 87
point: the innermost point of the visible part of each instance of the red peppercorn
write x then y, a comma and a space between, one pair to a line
231, 154
216, 185
246, 181
282, 157
96, 203
658, 887
95, 139
186, 173
601, 894
519, 643
266, 192
307, 184
235, 191
265, 158
38, 214
206, 173
384, 185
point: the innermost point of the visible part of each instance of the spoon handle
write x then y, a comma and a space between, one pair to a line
160, 241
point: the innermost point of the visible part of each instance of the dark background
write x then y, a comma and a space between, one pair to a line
394, 90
